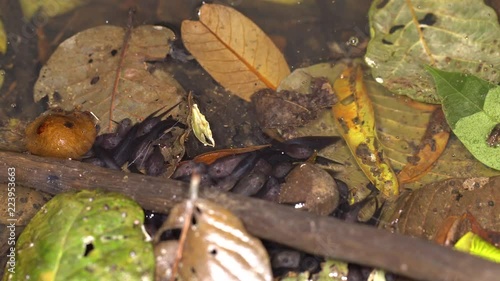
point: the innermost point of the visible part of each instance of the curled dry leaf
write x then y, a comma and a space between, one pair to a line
91, 70
217, 246
311, 186
234, 50
423, 212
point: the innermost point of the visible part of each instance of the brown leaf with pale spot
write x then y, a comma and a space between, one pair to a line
234, 50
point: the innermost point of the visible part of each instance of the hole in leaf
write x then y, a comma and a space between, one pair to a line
213, 252
114, 52
94, 80
387, 42
88, 248
429, 19
395, 28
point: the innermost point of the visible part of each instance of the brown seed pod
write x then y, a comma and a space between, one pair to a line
61, 134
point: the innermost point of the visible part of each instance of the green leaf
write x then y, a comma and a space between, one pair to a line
85, 235
473, 130
456, 35
461, 94
474, 244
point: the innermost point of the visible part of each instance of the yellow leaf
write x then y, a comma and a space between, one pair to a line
355, 119
3, 44
50, 8
234, 50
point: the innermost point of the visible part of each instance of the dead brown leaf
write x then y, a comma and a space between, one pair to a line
423, 212
234, 50
84, 68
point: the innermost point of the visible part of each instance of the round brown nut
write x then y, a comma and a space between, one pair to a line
61, 134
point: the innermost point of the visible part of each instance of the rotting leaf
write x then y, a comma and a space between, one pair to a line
217, 246
50, 8
311, 188
430, 148
98, 234
472, 109
453, 35
354, 117
423, 212
28, 203
83, 70
287, 109
234, 50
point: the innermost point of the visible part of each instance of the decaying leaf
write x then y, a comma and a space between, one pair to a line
217, 246
423, 212
50, 8
234, 50
28, 203
287, 109
200, 125
355, 119
430, 148
98, 234
12, 136
310, 188
3, 44
92, 70
453, 35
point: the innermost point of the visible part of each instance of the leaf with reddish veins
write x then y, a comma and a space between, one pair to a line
431, 147
234, 50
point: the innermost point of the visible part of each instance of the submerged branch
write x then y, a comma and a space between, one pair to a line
324, 236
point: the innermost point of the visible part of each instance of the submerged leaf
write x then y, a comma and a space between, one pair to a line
88, 70
217, 245
50, 8
453, 35
355, 119
84, 234
234, 50
431, 146
423, 212
3, 45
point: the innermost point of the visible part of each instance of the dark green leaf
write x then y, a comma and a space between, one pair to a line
461, 94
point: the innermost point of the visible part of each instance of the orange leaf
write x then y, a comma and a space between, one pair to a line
210, 157
431, 147
234, 50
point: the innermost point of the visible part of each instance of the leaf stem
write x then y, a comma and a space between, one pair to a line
420, 33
